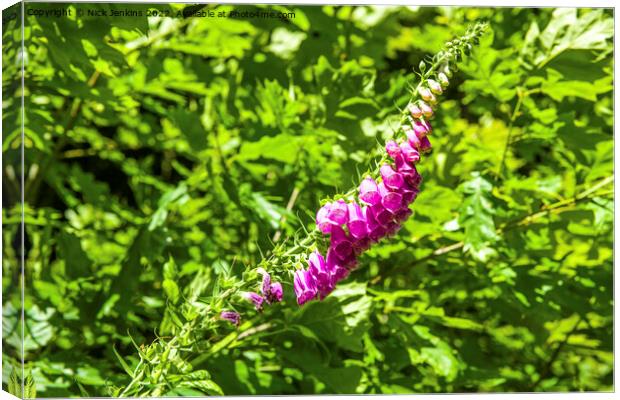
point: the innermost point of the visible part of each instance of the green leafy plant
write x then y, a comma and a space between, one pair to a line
168, 159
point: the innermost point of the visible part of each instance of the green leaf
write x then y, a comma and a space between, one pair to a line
476, 217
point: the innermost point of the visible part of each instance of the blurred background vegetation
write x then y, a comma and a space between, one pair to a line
162, 153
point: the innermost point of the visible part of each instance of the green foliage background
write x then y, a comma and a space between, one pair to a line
161, 155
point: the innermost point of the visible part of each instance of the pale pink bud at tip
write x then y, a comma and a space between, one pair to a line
415, 110
435, 86
443, 79
427, 110
426, 94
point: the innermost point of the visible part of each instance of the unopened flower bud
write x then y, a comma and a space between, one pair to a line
443, 79
426, 94
415, 110
427, 110
435, 86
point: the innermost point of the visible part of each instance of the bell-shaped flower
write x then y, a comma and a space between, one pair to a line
318, 268
321, 272
338, 213
361, 245
275, 293
403, 167
337, 270
340, 243
392, 201
403, 214
305, 286
369, 192
410, 154
357, 222
255, 298
322, 219
377, 234
425, 145
391, 179
392, 148
393, 228
371, 218
409, 195
382, 215
413, 178
266, 284
231, 316
414, 140
421, 128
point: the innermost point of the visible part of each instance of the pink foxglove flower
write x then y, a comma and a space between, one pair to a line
318, 268
231, 316
338, 213
377, 234
305, 286
321, 273
425, 145
357, 222
255, 298
414, 140
403, 214
410, 154
391, 179
361, 245
369, 192
275, 293
371, 219
340, 243
322, 221
339, 271
409, 195
392, 148
381, 214
272, 292
392, 201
